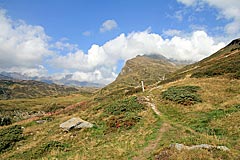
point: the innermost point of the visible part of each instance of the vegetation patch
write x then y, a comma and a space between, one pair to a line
4, 121
227, 66
185, 95
44, 149
202, 124
123, 114
53, 107
9, 137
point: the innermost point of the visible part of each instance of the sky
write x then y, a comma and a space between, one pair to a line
90, 40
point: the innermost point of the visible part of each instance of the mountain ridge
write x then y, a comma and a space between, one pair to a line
66, 80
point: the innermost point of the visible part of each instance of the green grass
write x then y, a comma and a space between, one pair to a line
17, 108
9, 136
185, 95
42, 150
123, 114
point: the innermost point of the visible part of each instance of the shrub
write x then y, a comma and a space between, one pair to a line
9, 137
185, 95
123, 122
123, 114
124, 106
5, 121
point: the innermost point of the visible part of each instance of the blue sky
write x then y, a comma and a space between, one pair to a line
91, 39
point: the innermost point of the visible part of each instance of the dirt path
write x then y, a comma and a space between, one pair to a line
143, 154
148, 102
152, 144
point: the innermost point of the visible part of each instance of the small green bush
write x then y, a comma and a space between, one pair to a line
185, 95
124, 106
9, 137
123, 114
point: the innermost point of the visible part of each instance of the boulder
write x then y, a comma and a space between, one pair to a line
200, 146
75, 123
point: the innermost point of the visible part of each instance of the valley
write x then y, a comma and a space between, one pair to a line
198, 104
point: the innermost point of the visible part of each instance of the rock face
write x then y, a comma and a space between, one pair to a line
200, 146
75, 123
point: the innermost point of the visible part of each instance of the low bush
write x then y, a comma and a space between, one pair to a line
123, 114
9, 137
4, 121
124, 106
185, 95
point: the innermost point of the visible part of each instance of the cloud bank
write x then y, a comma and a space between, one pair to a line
103, 59
22, 46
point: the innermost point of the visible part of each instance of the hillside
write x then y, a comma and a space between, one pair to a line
11, 89
224, 63
150, 69
182, 117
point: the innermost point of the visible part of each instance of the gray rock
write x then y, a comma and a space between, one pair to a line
178, 146
75, 123
40, 121
200, 146
223, 148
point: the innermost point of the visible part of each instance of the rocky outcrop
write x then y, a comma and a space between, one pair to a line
200, 146
75, 123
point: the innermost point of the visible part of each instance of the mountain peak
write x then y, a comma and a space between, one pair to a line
156, 56
235, 42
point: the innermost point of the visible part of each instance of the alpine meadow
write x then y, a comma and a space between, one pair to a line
120, 80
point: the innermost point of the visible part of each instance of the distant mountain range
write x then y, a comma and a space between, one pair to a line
63, 81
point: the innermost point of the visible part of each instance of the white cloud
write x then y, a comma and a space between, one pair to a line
21, 45
99, 63
108, 25
172, 32
187, 2
179, 15
65, 46
39, 71
86, 33
228, 9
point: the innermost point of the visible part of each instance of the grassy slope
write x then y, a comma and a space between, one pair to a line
225, 63
200, 123
214, 121
145, 68
12, 89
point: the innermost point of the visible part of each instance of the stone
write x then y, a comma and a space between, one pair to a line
75, 123
180, 147
223, 148
40, 121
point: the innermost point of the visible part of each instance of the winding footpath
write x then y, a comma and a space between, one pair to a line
152, 144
